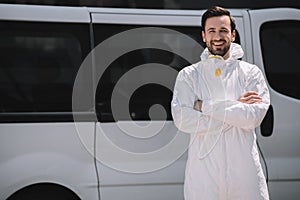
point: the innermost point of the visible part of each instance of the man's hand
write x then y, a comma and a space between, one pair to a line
198, 105
250, 98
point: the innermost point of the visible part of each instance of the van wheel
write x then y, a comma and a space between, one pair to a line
45, 191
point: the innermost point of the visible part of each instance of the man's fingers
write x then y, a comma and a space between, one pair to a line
250, 93
198, 105
252, 101
250, 98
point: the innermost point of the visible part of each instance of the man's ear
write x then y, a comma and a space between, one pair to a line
203, 36
233, 35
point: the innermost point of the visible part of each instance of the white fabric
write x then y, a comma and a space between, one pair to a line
223, 161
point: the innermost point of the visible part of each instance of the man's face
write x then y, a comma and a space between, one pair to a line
218, 36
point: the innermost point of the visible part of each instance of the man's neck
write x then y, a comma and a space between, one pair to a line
227, 55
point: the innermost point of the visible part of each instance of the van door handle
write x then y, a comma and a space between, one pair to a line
266, 127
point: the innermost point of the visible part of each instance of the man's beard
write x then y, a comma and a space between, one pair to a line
218, 51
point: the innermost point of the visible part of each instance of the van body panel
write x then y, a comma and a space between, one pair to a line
281, 149
117, 168
44, 13
50, 153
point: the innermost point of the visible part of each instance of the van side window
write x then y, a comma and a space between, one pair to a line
147, 95
38, 65
280, 48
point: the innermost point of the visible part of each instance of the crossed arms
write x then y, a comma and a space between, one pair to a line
246, 112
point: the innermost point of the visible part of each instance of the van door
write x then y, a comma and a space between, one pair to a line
137, 56
275, 35
41, 154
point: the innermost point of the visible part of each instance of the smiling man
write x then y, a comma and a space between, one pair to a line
218, 34
220, 101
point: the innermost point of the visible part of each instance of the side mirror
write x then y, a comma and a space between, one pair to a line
266, 127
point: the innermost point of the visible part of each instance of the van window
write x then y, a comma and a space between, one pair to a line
38, 65
281, 53
146, 95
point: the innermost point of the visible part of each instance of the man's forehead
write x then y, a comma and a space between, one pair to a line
218, 21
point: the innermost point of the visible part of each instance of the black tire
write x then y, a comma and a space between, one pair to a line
44, 191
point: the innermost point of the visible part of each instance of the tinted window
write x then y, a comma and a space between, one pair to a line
280, 48
146, 95
38, 65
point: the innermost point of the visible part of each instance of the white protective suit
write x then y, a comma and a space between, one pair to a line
223, 159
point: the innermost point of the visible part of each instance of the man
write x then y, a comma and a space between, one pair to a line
220, 100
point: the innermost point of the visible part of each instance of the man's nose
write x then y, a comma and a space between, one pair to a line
217, 36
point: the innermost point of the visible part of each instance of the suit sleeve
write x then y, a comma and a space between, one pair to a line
185, 117
235, 113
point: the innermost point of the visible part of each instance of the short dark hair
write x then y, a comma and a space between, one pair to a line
217, 11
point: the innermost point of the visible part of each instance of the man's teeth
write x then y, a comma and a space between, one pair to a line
218, 44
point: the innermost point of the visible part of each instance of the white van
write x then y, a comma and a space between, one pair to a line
57, 115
